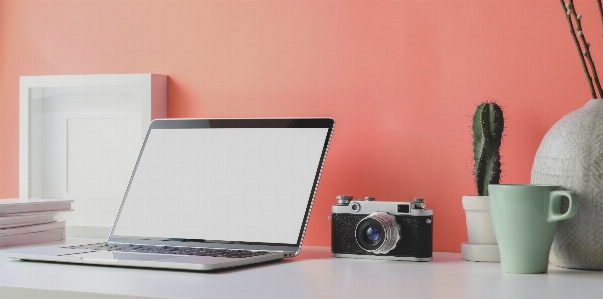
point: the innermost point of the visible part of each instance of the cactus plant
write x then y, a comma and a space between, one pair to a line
488, 126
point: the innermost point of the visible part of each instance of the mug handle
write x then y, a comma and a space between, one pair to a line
555, 202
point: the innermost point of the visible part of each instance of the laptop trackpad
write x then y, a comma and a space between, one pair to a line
108, 256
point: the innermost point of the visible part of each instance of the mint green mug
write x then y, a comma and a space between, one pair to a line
524, 219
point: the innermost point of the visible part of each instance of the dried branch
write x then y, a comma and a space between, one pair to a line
567, 11
600, 10
586, 45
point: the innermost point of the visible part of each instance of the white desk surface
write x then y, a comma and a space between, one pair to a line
313, 274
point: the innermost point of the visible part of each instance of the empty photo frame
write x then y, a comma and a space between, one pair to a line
79, 138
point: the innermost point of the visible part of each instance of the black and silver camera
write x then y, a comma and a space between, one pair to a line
381, 230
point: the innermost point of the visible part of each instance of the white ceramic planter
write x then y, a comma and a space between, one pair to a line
482, 245
571, 155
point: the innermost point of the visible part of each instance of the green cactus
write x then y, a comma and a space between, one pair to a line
488, 126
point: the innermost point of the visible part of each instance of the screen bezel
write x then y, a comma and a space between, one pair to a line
223, 123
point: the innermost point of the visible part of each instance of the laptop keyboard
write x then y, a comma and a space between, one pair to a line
197, 251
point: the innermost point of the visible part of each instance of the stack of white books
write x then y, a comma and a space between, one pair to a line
27, 221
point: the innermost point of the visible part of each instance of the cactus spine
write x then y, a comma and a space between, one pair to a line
488, 126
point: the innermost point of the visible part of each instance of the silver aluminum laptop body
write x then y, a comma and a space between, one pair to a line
207, 194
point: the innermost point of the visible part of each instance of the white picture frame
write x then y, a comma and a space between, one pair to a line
79, 138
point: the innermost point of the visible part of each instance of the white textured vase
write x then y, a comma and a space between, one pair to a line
571, 155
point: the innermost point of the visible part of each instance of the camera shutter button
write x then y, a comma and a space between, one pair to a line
344, 200
419, 203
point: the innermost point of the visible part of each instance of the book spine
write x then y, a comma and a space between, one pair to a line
34, 207
31, 238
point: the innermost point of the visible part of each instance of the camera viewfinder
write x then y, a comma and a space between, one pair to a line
403, 208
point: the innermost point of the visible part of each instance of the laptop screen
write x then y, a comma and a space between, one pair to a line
224, 183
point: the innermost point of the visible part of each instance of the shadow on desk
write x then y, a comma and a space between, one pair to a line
553, 270
218, 271
313, 253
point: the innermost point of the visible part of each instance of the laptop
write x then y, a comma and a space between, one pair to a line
207, 194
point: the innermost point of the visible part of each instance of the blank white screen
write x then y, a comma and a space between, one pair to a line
242, 184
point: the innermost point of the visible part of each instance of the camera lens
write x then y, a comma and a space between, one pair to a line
378, 233
372, 234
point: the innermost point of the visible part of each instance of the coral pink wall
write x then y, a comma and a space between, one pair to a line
399, 77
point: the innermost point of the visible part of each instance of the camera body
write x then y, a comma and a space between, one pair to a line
381, 230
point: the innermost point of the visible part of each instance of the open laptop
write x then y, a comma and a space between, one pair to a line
207, 194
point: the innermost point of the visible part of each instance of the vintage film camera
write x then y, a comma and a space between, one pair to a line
381, 230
